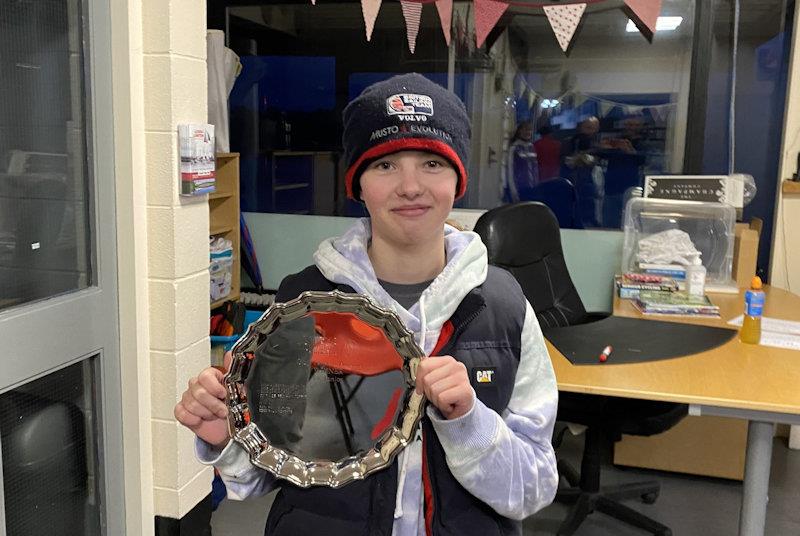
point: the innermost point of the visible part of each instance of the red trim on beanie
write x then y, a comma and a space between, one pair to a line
409, 144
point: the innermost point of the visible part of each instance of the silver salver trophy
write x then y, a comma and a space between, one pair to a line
320, 391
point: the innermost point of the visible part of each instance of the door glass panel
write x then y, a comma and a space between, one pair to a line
44, 209
48, 433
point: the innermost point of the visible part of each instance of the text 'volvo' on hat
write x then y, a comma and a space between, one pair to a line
405, 113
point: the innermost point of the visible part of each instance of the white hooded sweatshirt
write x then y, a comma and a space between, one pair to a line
507, 460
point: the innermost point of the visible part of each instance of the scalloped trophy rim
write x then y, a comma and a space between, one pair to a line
334, 474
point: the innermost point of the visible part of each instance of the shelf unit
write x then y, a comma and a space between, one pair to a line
223, 215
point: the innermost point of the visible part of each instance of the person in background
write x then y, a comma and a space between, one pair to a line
625, 156
583, 165
548, 154
482, 458
523, 168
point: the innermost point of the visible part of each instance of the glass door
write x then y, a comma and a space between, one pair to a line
60, 430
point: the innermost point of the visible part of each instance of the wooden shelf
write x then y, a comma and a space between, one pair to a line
791, 187
221, 229
223, 215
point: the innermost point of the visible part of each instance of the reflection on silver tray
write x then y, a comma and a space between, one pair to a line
321, 349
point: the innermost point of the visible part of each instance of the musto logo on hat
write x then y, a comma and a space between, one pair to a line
410, 106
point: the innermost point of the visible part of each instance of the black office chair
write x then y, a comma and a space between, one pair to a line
524, 238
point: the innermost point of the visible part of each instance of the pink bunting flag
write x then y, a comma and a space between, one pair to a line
370, 10
487, 13
644, 14
445, 9
564, 20
412, 12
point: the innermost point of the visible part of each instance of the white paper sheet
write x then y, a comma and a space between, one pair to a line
776, 332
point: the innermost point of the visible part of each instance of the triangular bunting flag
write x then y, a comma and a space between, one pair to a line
605, 107
445, 9
412, 12
644, 14
531, 98
521, 85
370, 10
564, 20
487, 13
578, 99
659, 113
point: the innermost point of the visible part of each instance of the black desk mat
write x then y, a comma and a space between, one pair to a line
634, 340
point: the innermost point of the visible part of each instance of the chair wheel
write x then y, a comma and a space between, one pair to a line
650, 498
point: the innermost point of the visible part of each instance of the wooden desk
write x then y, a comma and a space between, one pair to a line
756, 383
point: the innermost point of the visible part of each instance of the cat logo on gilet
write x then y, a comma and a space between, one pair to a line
484, 375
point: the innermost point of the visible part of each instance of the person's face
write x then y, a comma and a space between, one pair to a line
589, 127
525, 132
409, 195
633, 127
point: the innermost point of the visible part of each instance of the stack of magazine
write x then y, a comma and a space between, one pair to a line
659, 302
629, 285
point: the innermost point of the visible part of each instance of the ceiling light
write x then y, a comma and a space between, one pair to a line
663, 24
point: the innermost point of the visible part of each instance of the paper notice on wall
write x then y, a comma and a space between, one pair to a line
198, 166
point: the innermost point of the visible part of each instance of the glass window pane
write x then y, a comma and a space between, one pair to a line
44, 209
47, 434
577, 130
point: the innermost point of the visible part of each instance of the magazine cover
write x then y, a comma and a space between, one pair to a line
198, 166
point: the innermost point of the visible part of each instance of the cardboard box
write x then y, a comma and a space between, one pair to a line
708, 446
745, 252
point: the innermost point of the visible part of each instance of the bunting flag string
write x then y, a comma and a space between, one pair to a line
659, 112
564, 20
412, 13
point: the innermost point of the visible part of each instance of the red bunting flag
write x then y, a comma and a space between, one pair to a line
445, 9
412, 12
564, 20
487, 13
644, 14
370, 10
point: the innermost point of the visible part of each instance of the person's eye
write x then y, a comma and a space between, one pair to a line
433, 164
382, 165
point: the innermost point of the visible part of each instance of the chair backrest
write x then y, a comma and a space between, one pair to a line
559, 194
525, 239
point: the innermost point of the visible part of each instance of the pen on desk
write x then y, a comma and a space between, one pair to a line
605, 353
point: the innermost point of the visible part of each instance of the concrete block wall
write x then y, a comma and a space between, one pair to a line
174, 92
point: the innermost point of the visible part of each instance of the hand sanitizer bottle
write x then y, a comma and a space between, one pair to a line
696, 279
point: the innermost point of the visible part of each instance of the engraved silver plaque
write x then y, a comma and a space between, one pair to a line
321, 389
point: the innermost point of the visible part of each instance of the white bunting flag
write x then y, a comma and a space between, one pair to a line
370, 10
412, 12
564, 20
605, 107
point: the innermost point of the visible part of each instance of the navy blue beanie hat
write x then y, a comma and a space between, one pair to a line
405, 113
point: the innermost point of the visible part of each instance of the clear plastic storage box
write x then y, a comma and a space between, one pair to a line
666, 233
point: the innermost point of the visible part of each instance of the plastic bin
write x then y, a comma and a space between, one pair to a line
221, 343
710, 226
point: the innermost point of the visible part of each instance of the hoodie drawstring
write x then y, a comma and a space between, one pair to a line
405, 453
